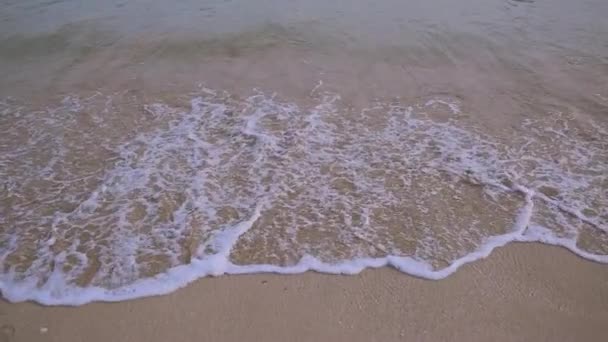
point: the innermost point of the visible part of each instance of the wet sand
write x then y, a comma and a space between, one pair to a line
521, 72
522, 292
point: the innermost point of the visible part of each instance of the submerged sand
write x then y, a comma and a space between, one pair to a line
522, 292
528, 75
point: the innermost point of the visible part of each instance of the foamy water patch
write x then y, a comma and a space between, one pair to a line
98, 205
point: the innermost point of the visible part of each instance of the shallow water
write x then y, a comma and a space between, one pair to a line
144, 146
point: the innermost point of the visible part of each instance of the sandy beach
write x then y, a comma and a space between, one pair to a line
161, 163
522, 292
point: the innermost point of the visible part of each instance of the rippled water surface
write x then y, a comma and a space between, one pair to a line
145, 144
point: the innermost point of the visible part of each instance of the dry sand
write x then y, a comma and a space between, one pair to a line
523, 292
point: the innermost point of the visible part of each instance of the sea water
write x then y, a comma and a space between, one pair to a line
145, 145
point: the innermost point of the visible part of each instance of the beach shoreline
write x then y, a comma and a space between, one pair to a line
145, 146
522, 292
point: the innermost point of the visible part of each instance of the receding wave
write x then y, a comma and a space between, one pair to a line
110, 197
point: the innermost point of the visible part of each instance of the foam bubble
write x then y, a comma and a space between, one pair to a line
105, 201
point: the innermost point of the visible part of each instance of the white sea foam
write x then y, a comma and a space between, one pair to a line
276, 182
